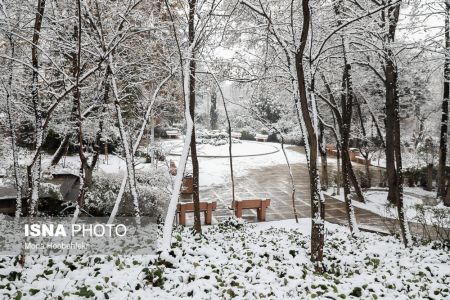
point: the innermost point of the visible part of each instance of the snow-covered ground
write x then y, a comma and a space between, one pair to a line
376, 202
244, 148
242, 261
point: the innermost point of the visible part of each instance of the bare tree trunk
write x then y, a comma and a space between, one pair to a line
213, 111
364, 152
443, 141
126, 147
12, 128
430, 177
323, 157
368, 175
447, 197
317, 200
135, 146
62, 149
354, 180
347, 109
77, 109
230, 140
194, 159
393, 144
338, 171
34, 168
345, 120
168, 222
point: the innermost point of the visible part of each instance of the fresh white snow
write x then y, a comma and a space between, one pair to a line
242, 261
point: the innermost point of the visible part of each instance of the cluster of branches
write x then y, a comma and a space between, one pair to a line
92, 73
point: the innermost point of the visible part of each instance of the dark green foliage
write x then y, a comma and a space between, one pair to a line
357, 292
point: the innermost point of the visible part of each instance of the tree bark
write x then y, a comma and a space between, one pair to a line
354, 180
126, 147
430, 177
213, 111
447, 197
230, 140
347, 109
338, 171
317, 200
393, 143
364, 152
323, 157
12, 128
443, 141
34, 168
342, 151
192, 82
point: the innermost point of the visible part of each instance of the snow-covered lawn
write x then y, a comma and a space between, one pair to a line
235, 260
376, 202
244, 148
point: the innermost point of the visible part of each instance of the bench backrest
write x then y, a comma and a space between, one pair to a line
261, 136
189, 206
252, 203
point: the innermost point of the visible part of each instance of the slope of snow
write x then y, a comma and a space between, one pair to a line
242, 261
376, 202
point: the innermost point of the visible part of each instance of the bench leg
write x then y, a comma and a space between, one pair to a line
238, 210
182, 215
262, 213
208, 215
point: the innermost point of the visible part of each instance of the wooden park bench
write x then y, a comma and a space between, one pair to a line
172, 133
236, 135
259, 204
188, 207
261, 137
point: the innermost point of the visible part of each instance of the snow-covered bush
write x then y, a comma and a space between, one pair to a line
151, 187
434, 222
215, 138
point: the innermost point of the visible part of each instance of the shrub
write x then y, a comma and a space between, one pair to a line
216, 138
247, 136
434, 222
151, 188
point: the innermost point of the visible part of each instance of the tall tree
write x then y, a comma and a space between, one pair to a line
12, 121
34, 167
443, 139
390, 18
310, 134
192, 82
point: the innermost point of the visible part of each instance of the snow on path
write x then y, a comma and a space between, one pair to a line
216, 171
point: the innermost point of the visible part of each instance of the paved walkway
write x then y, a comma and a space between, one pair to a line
274, 183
